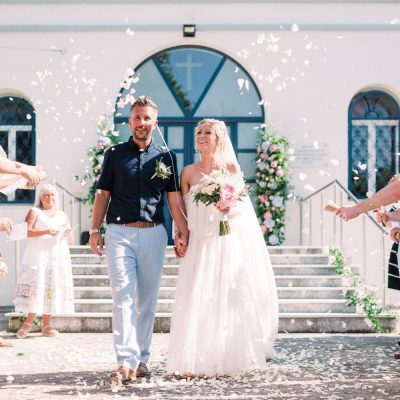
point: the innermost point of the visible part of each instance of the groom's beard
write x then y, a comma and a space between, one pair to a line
142, 136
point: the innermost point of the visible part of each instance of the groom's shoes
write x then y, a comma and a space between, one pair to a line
142, 370
122, 374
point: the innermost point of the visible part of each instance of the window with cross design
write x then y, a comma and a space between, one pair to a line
17, 138
373, 141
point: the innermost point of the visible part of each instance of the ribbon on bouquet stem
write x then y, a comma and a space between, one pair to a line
224, 228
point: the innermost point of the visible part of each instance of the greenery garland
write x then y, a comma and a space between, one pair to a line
272, 184
359, 294
106, 138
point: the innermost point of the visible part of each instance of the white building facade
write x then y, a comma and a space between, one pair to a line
325, 72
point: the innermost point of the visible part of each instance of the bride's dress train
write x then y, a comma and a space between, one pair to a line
225, 317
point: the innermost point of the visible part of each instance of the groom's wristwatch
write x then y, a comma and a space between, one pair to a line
94, 231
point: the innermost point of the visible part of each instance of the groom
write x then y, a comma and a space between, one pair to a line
135, 176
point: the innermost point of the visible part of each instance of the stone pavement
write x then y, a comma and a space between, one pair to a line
312, 366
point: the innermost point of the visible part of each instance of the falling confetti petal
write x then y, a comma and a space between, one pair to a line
295, 28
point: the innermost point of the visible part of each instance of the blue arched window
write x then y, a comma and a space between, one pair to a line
188, 84
373, 141
17, 137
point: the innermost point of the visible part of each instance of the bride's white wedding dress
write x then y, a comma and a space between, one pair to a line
225, 315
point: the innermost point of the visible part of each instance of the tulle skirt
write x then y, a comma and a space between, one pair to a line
225, 316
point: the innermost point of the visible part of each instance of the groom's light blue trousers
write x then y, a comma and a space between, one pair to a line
135, 258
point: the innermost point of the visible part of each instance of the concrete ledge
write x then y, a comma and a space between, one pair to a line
288, 322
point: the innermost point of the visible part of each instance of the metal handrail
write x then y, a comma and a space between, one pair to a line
333, 230
74, 199
349, 194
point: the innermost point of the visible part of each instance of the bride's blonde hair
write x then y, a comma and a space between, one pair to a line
216, 126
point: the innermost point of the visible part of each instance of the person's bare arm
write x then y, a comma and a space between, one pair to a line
387, 195
99, 211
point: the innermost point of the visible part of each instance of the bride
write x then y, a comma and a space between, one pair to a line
225, 316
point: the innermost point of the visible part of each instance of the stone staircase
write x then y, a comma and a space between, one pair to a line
311, 296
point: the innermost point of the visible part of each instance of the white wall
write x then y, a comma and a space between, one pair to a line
320, 70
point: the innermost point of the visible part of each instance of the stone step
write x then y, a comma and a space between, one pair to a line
281, 280
89, 269
87, 259
285, 305
288, 322
309, 280
296, 250
319, 292
80, 250
91, 280
271, 250
92, 292
170, 259
291, 259
173, 270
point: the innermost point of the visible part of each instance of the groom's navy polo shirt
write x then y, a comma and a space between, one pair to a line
127, 173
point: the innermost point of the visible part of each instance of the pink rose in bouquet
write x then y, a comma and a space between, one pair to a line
227, 196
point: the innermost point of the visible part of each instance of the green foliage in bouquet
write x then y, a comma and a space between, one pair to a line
272, 184
106, 138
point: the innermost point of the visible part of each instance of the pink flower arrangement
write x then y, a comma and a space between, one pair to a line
227, 195
222, 189
272, 183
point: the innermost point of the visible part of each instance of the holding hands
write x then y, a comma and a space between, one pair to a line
181, 244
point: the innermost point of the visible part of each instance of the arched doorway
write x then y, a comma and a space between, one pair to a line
190, 83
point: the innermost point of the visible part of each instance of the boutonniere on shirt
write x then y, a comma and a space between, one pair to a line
161, 171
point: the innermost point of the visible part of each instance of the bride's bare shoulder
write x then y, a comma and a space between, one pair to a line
190, 170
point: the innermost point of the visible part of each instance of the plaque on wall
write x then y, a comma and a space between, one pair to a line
311, 155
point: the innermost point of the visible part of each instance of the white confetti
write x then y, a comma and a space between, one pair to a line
295, 28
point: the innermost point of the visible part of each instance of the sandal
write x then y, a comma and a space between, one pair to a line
23, 331
48, 331
123, 375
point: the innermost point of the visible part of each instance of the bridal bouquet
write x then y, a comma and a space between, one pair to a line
221, 189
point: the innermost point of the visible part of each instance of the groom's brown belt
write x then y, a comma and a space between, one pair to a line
142, 224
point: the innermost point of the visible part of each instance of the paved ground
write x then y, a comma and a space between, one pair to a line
329, 367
